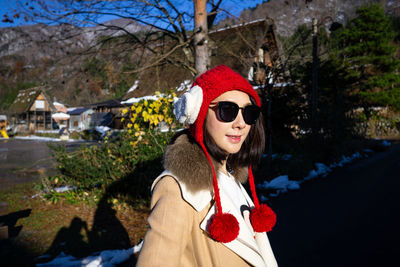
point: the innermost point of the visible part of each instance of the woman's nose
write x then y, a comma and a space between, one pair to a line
239, 121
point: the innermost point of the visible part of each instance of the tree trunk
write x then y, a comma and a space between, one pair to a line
202, 61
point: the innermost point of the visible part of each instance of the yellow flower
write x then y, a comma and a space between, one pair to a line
122, 119
133, 107
145, 116
129, 131
124, 111
129, 125
132, 143
146, 103
138, 109
136, 126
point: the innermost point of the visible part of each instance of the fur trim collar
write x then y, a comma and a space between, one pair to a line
184, 158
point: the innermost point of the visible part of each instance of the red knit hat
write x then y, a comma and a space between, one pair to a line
191, 109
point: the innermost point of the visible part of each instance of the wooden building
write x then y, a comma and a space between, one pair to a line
32, 110
80, 119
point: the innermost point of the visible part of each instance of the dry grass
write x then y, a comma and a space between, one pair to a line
38, 227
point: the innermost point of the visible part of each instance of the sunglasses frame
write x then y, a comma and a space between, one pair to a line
245, 110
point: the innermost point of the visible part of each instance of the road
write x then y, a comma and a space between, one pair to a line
349, 218
23, 161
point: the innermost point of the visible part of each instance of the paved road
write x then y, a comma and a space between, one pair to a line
24, 161
349, 218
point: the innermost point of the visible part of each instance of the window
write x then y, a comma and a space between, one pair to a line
39, 104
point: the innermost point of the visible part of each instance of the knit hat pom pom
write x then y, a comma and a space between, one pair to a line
224, 227
262, 218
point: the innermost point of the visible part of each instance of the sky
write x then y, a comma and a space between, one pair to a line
233, 6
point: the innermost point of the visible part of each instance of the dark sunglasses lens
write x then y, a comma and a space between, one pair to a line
228, 111
251, 113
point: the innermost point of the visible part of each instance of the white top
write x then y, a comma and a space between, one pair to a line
231, 187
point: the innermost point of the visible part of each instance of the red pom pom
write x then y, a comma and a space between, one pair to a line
262, 218
223, 227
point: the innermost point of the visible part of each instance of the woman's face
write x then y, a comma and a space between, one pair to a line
228, 136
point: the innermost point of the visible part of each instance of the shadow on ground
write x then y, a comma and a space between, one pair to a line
107, 231
12, 252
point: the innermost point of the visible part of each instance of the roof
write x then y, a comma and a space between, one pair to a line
109, 103
26, 97
77, 111
60, 115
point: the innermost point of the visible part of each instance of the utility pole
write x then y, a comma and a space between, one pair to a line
314, 97
202, 61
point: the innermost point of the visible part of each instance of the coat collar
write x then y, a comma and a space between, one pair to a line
184, 158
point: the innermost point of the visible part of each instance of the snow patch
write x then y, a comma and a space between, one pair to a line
65, 188
386, 143
184, 86
60, 115
102, 130
138, 99
104, 258
281, 183
134, 86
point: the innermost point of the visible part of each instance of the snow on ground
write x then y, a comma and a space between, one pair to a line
184, 86
102, 130
134, 86
282, 184
106, 258
138, 99
41, 138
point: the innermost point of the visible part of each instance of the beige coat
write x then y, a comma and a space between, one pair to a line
181, 209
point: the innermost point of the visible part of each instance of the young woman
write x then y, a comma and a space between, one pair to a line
201, 215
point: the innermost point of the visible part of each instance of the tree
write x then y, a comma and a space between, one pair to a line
166, 25
367, 52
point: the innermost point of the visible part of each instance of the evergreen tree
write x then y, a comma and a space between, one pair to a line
367, 53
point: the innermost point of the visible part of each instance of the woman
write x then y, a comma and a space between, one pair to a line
201, 215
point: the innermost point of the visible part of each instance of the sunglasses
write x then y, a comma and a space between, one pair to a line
228, 111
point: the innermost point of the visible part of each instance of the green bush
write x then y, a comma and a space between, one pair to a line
100, 165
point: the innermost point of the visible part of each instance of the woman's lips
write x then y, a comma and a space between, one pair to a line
234, 138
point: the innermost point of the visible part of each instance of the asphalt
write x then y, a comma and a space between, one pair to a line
349, 218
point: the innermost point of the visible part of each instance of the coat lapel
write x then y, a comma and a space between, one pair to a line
244, 245
262, 239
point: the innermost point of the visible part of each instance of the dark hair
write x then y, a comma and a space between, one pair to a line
250, 152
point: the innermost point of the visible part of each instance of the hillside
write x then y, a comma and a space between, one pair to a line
289, 14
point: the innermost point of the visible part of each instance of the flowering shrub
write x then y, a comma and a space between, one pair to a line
147, 114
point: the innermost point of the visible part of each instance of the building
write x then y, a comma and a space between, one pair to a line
32, 110
80, 118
